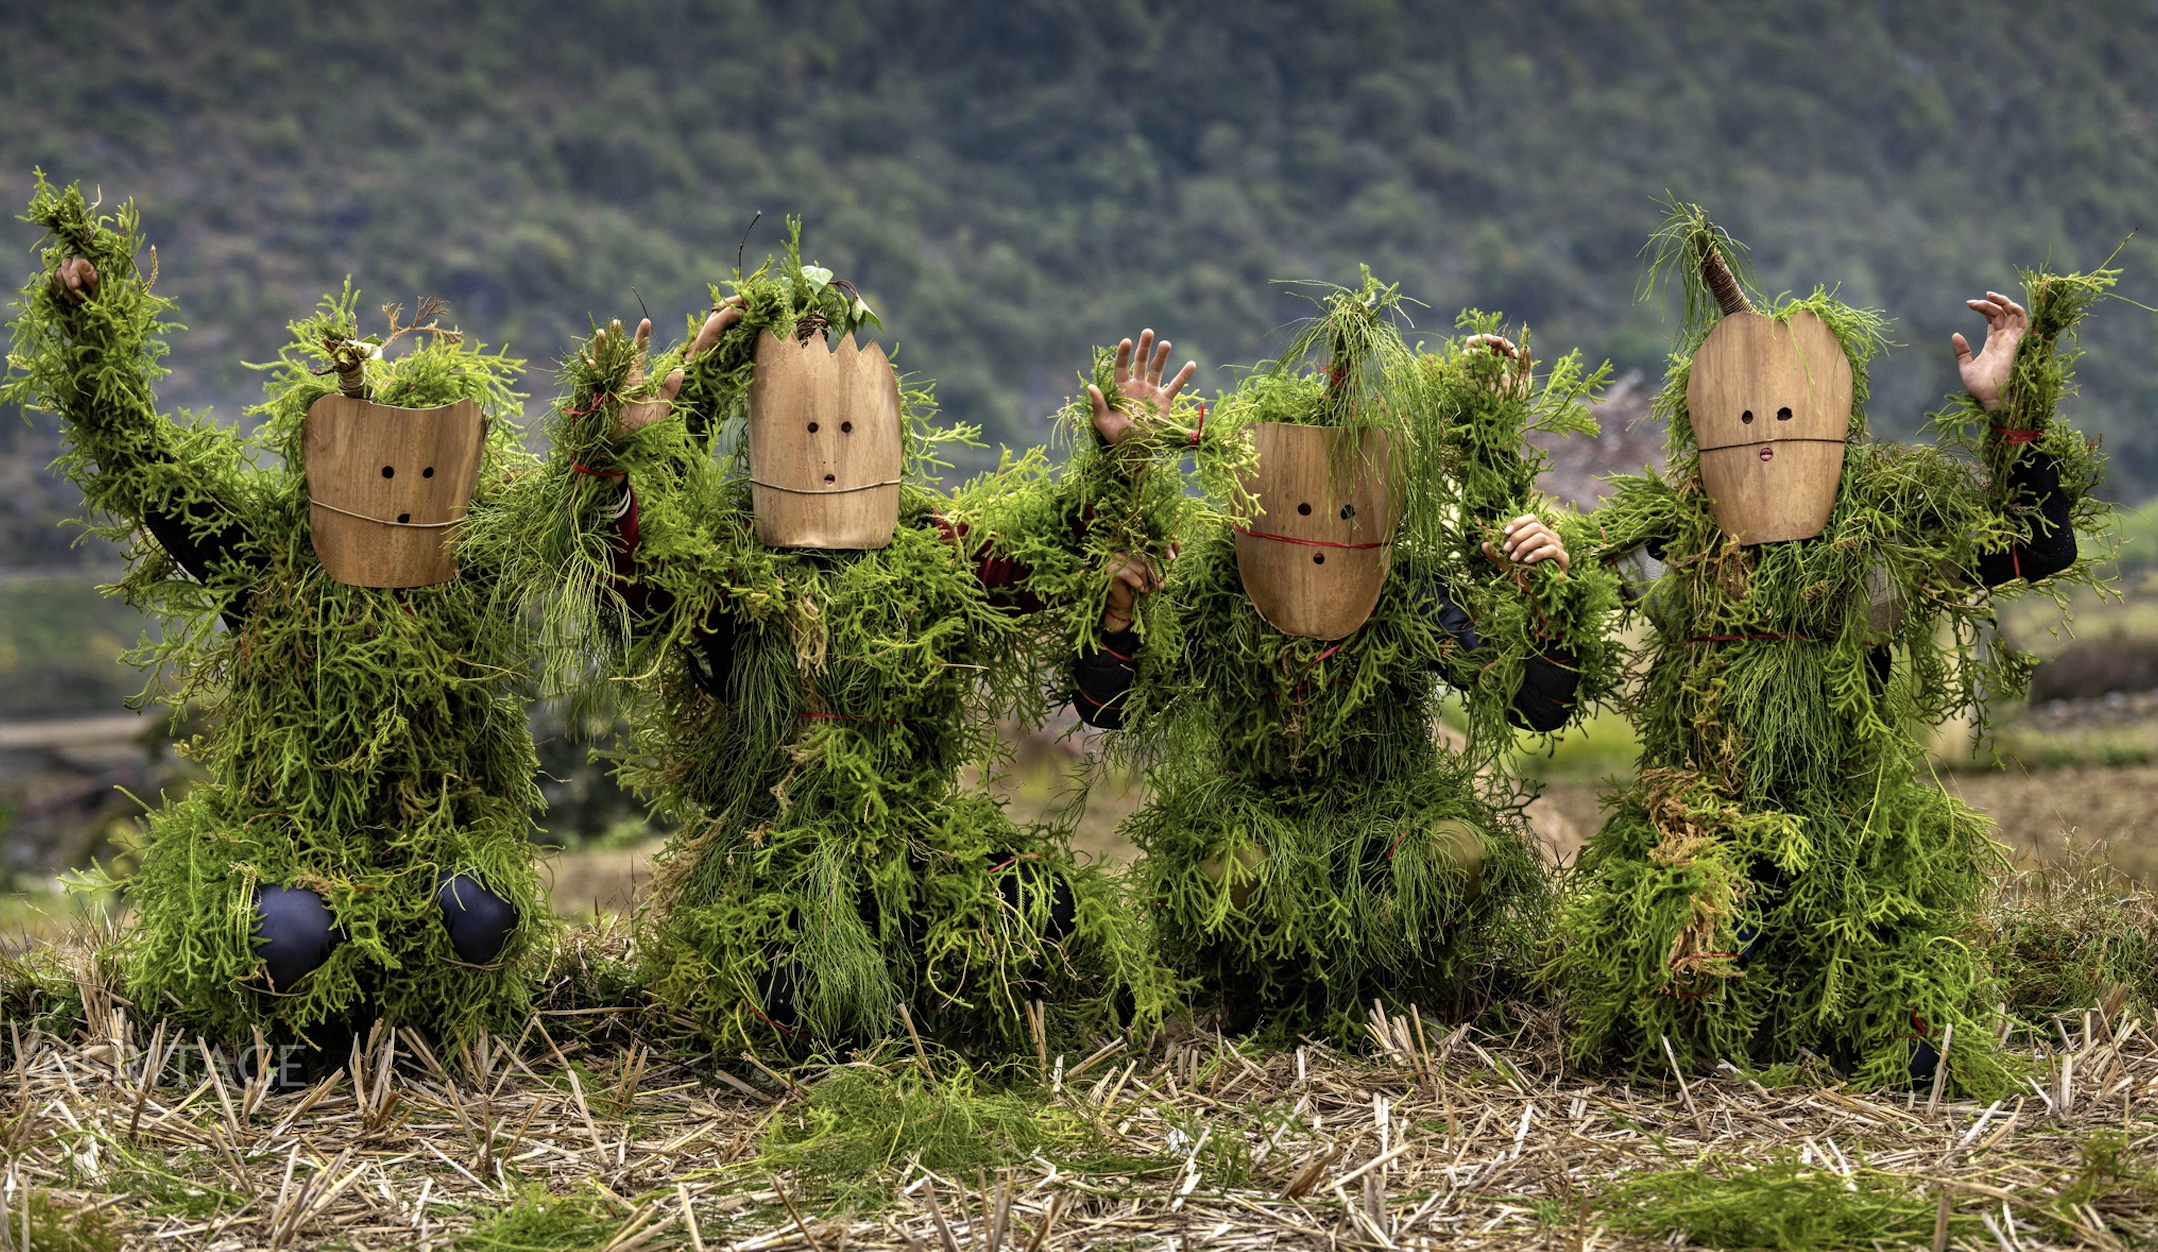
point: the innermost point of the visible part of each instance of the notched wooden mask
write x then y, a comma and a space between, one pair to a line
1316, 557
387, 487
1770, 403
824, 444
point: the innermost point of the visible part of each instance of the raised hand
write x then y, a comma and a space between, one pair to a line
76, 280
1985, 375
1501, 346
638, 414
1140, 382
1528, 541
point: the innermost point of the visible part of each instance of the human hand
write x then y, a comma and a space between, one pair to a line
1141, 383
1501, 346
1528, 541
1986, 374
76, 280
1130, 577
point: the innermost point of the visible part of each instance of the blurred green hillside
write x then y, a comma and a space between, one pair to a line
1010, 182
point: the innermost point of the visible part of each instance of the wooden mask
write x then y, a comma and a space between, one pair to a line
824, 444
1770, 404
1316, 557
387, 486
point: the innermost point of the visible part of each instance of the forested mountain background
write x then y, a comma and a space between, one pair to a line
1011, 182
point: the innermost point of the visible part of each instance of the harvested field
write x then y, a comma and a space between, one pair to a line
587, 1131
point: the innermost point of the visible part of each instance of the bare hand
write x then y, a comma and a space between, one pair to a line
1528, 541
1986, 375
1130, 577
76, 280
1142, 384
637, 414
1501, 346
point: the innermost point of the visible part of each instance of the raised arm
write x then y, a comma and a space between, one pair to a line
2030, 478
86, 348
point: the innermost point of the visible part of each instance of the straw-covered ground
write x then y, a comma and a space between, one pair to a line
592, 1128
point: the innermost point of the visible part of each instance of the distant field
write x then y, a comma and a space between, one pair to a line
60, 644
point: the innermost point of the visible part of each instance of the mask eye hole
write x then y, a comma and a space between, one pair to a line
846, 428
812, 428
389, 471
1348, 511
429, 472
1783, 414
1746, 417
1304, 509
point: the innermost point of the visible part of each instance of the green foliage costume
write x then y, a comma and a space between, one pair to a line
1777, 878
803, 715
367, 746
1310, 845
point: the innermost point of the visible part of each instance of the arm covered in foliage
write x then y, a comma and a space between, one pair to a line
1534, 637
86, 348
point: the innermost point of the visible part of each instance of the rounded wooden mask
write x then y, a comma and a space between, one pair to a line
824, 444
1770, 403
1316, 558
387, 487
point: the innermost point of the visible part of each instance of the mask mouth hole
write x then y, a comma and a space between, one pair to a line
831, 478
1318, 558
1768, 454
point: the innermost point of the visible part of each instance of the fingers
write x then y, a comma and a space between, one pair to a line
1159, 363
1144, 355
670, 386
715, 325
1123, 362
1962, 347
1100, 403
1182, 376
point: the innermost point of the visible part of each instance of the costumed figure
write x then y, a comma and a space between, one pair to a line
1778, 878
1311, 843
812, 642
361, 841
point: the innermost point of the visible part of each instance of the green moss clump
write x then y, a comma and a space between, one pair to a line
803, 716
361, 741
1777, 878
1784, 1203
584, 1220
1302, 853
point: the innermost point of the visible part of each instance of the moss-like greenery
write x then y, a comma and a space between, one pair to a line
361, 741
1297, 859
1784, 1203
1775, 878
802, 716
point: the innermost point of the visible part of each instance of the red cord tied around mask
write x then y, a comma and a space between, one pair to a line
1312, 543
2018, 436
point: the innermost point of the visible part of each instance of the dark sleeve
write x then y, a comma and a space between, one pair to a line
199, 537
710, 653
1102, 680
1545, 698
2052, 546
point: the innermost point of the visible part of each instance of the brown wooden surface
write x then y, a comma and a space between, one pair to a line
824, 444
432, 459
1773, 477
1306, 475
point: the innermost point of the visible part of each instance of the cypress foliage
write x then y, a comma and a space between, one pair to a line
830, 865
1777, 877
1299, 855
362, 741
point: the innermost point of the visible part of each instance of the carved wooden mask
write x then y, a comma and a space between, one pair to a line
386, 487
824, 444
